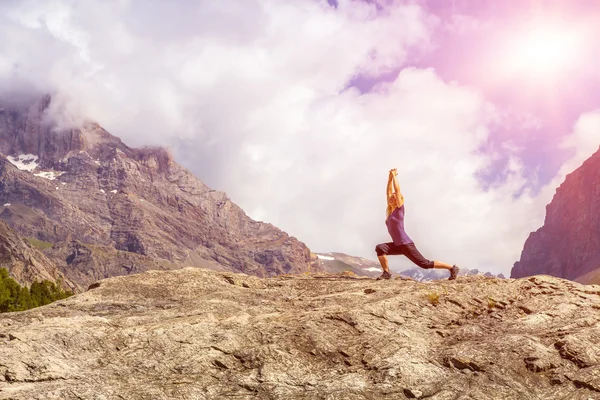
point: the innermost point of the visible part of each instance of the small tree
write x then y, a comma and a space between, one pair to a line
13, 297
24, 300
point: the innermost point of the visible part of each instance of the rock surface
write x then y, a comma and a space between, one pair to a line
26, 263
568, 245
86, 186
199, 334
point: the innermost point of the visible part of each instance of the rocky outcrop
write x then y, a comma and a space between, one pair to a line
568, 245
85, 185
194, 333
25, 263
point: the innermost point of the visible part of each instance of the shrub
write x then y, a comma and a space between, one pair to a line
434, 298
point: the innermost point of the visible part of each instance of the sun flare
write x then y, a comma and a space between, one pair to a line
542, 52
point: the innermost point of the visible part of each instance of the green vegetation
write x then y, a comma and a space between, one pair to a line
13, 297
39, 244
434, 298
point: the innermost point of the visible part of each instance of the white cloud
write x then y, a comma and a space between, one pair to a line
582, 142
251, 97
332, 193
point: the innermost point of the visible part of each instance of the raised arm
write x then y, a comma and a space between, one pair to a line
390, 187
399, 196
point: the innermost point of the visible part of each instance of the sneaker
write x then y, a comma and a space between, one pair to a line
453, 273
385, 275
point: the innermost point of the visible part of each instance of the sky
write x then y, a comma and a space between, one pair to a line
298, 109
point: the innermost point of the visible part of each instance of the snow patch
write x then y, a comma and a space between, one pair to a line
102, 190
51, 175
56, 187
372, 269
113, 191
321, 257
7, 205
63, 183
25, 162
97, 162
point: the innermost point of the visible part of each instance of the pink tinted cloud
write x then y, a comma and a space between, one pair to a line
472, 48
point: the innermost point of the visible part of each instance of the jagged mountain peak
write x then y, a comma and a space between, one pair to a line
32, 129
82, 183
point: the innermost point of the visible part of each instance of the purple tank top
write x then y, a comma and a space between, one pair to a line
395, 225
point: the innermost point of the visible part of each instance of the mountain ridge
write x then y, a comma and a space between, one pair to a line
335, 262
85, 185
428, 275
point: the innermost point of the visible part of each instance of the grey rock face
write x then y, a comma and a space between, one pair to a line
568, 245
134, 200
85, 264
25, 263
199, 334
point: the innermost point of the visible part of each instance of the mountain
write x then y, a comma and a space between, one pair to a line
199, 334
568, 244
428, 275
25, 262
335, 263
591, 278
88, 194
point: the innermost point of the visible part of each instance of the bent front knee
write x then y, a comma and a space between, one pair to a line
381, 249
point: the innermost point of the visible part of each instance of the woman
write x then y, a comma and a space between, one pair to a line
402, 243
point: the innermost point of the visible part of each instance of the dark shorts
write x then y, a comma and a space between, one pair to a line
409, 250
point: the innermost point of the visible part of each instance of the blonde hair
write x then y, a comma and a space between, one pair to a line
388, 211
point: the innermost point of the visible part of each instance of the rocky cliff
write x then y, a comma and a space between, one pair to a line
568, 245
25, 262
199, 334
83, 185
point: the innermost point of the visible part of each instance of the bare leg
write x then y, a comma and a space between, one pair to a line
384, 263
441, 265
